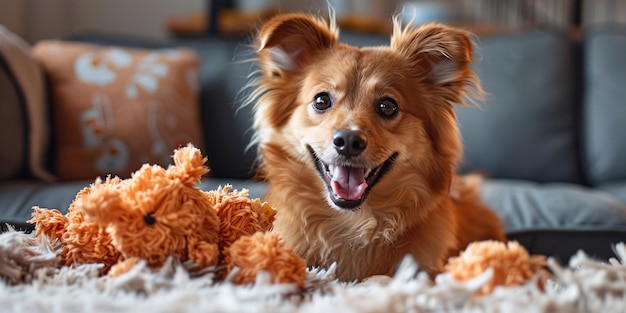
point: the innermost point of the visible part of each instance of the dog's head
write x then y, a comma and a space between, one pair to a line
374, 120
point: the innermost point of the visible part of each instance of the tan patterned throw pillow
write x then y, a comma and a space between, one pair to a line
115, 108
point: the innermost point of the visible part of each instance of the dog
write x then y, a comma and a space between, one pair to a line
359, 146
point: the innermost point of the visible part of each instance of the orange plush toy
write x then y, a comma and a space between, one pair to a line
152, 215
511, 263
158, 213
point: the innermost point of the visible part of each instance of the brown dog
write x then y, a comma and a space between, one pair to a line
359, 145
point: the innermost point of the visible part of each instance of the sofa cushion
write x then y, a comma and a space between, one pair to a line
116, 108
527, 205
604, 110
541, 216
24, 116
616, 189
19, 196
526, 127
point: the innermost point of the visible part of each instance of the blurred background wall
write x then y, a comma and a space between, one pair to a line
38, 19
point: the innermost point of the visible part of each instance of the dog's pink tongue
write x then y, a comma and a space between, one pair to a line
348, 182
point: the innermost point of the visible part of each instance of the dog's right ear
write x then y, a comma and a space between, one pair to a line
289, 42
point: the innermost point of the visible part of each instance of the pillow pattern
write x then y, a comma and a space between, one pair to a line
116, 108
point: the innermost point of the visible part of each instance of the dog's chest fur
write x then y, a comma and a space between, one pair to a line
365, 242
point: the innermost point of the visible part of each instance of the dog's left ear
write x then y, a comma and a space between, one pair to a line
289, 42
439, 53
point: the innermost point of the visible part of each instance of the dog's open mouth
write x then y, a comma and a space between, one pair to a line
348, 185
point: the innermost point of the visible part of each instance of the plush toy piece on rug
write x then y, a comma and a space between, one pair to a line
511, 264
239, 215
245, 241
154, 214
264, 252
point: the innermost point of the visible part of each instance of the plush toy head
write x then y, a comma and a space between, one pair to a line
157, 212
511, 264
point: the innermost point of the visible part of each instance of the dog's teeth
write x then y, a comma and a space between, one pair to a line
331, 169
367, 172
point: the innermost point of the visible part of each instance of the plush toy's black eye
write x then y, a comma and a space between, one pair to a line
322, 102
387, 107
149, 219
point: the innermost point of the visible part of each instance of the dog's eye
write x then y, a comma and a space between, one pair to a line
322, 102
387, 107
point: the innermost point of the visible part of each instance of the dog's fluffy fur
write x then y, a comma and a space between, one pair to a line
359, 145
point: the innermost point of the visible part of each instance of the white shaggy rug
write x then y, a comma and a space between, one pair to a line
31, 280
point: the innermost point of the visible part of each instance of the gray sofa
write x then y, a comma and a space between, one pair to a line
548, 137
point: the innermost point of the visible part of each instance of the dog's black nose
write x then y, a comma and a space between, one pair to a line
349, 142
